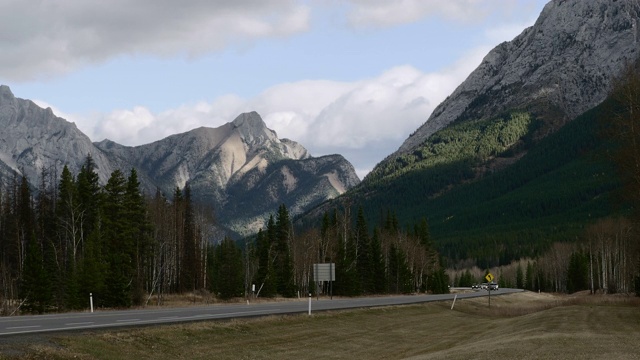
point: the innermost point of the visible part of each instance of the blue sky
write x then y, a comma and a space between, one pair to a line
353, 77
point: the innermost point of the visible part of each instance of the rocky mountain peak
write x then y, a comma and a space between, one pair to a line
34, 139
252, 128
5, 93
556, 69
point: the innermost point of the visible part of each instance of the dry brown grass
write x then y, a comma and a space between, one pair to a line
523, 326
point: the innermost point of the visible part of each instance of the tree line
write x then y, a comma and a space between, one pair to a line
71, 236
604, 259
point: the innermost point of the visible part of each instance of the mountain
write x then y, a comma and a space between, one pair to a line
241, 170
33, 138
512, 160
557, 69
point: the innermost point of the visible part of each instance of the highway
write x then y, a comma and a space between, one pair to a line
27, 324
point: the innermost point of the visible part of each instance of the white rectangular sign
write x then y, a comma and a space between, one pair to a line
324, 272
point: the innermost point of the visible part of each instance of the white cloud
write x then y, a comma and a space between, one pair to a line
384, 13
47, 38
373, 13
325, 116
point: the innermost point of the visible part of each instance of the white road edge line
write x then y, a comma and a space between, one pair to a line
23, 327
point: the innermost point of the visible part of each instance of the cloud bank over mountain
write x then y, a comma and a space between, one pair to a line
155, 69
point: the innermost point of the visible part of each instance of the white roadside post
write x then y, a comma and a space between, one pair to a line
91, 301
309, 303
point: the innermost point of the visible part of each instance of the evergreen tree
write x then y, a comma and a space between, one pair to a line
70, 236
265, 275
528, 279
87, 244
89, 195
118, 246
364, 263
422, 232
519, 277
137, 233
346, 283
190, 259
46, 233
439, 283
92, 274
35, 287
466, 279
578, 272
399, 275
284, 265
228, 273
378, 276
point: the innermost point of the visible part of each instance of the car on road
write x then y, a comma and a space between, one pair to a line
492, 286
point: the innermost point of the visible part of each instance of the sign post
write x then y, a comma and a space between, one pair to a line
489, 278
325, 272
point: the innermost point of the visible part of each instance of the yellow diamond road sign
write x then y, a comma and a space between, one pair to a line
489, 277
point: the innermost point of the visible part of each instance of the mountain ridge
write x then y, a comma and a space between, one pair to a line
214, 161
589, 40
554, 72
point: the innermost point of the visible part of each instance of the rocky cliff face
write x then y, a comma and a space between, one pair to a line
208, 158
242, 169
557, 69
33, 138
300, 184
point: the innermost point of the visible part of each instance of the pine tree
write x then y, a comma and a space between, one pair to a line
89, 195
439, 283
137, 233
363, 253
378, 277
46, 233
228, 273
35, 287
346, 283
399, 275
519, 277
87, 241
528, 279
70, 237
466, 279
578, 272
190, 259
118, 245
284, 267
422, 232
266, 275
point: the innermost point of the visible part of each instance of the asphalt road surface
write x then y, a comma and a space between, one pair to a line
15, 325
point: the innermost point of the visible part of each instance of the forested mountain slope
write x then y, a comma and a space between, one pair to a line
494, 215
507, 164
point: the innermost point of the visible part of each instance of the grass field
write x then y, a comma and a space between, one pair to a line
522, 326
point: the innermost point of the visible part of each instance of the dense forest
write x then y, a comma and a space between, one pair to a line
497, 193
72, 237
550, 190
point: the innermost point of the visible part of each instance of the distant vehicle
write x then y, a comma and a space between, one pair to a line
493, 286
475, 287
484, 286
